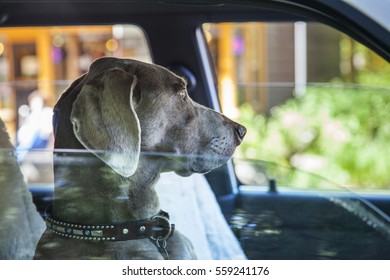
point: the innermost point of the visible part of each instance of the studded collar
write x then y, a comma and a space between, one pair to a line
157, 228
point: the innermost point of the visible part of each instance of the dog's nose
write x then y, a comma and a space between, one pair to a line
241, 131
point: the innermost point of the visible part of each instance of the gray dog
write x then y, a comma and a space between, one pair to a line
116, 129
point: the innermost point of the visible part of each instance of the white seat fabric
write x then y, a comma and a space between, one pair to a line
196, 213
21, 225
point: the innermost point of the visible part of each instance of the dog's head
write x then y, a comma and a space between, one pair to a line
123, 107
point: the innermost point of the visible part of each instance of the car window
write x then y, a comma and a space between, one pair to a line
38, 63
314, 100
312, 169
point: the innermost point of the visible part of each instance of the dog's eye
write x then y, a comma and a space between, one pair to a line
182, 94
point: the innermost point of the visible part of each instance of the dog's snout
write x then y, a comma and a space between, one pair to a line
240, 131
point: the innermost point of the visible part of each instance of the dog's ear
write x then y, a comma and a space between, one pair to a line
105, 122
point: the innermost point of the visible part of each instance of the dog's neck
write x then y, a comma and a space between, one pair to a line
92, 193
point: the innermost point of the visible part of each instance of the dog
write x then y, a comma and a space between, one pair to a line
116, 128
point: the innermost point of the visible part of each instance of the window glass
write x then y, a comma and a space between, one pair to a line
315, 103
38, 63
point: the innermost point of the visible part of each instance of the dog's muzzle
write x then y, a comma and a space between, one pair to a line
157, 228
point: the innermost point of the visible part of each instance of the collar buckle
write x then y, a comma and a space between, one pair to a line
162, 229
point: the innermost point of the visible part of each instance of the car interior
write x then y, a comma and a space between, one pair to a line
248, 208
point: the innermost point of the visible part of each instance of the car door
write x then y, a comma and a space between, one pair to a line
311, 172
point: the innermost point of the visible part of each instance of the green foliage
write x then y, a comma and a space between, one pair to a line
340, 133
